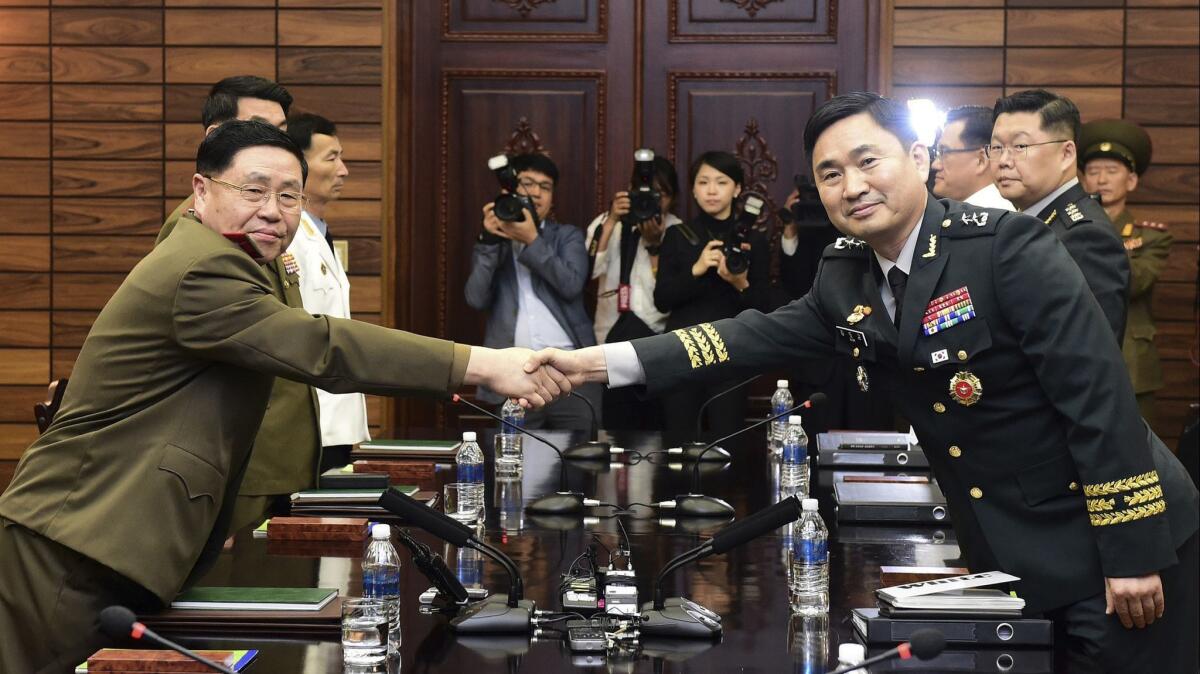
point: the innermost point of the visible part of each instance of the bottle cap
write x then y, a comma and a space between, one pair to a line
851, 654
794, 419
808, 504
782, 383
381, 532
469, 436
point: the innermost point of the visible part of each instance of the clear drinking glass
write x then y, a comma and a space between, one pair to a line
459, 504
509, 455
364, 631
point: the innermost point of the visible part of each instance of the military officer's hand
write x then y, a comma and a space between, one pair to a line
579, 366
1137, 601
504, 371
740, 281
710, 257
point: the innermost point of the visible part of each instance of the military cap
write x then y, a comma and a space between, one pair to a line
1115, 139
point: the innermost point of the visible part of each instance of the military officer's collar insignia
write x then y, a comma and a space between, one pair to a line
1051, 217
1073, 212
860, 312
978, 218
290, 265
845, 242
1127, 230
966, 388
864, 384
1134, 243
932, 252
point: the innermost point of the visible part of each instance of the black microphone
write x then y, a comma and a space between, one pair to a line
119, 622
562, 502
696, 504
433, 567
592, 449
925, 644
679, 617
693, 450
494, 616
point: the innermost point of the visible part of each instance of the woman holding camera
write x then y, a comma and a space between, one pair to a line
624, 247
711, 268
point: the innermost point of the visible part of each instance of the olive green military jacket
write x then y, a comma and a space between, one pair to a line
287, 451
1148, 249
139, 469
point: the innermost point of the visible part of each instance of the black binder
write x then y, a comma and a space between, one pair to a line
994, 659
885, 502
876, 449
875, 629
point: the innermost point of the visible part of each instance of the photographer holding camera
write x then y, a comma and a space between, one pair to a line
711, 268
528, 273
623, 243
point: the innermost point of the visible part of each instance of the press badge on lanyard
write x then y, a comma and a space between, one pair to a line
623, 293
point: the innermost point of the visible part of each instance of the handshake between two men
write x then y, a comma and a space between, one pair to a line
535, 378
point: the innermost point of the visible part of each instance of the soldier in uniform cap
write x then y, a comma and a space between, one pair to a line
1005, 365
1033, 151
1113, 154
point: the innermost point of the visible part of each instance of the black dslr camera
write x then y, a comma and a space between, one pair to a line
643, 198
509, 205
808, 210
737, 260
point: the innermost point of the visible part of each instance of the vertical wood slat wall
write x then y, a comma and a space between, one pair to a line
1137, 59
99, 122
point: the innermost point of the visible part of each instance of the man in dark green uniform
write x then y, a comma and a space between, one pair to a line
1033, 151
287, 450
1113, 155
1006, 367
128, 494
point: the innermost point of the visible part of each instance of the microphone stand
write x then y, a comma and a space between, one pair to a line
692, 451
588, 450
562, 502
695, 504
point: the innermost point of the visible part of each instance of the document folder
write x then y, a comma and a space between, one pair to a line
876, 629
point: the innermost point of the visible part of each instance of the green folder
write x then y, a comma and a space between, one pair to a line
255, 598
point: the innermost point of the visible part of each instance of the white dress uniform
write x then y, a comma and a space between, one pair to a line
325, 290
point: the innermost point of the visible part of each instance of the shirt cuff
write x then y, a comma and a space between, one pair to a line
789, 246
624, 368
458, 367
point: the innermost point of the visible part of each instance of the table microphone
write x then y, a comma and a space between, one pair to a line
925, 644
119, 622
696, 504
592, 449
514, 614
434, 568
678, 617
692, 451
562, 502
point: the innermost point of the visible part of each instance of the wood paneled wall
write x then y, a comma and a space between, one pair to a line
1136, 59
99, 122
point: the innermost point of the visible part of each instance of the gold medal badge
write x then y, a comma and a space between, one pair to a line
863, 383
966, 388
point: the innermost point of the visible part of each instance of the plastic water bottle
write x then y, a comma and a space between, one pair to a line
514, 414
509, 450
381, 577
808, 643
781, 401
810, 563
470, 471
794, 474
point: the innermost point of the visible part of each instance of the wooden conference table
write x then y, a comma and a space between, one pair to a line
747, 586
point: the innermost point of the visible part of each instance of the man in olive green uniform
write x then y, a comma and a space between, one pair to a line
128, 495
1113, 154
288, 447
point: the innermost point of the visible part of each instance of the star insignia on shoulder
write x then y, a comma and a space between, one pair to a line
1146, 224
1073, 213
978, 218
845, 242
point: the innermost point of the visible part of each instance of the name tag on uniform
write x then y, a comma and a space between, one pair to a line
855, 337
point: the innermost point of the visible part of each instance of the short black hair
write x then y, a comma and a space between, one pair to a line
218, 148
666, 176
535, 161
1057, 113
886, 112
977, 130
722, 161
302, 125
222, 102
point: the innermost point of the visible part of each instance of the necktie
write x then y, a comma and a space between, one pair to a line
897, 279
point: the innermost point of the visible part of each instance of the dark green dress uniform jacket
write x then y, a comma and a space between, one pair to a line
1148, 248
1084, 228
287, 451
1050, 475
140, 467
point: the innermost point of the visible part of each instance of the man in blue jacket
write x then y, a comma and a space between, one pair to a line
529, 277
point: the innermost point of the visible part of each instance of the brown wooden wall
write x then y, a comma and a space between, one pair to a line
99, 121
1137, 59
